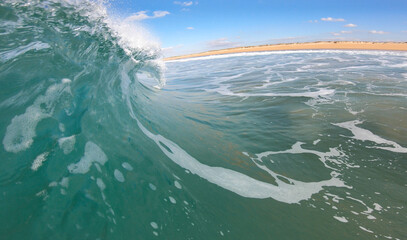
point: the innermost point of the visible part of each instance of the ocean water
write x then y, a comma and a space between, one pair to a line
102, 140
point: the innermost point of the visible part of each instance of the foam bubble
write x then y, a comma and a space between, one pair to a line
377, 207
64, 182
53, 184
102, 187
93, 154
365, 229
66, 80
118, 175
152, 186
127, 166
67, 144
341, 219
177, 185
172, 200
366, 135
154, 225
39, 160
61, 127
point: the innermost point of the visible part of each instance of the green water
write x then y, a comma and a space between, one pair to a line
283, 145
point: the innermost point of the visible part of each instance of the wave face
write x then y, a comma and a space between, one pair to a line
283, 145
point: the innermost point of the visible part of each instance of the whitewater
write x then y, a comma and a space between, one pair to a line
101, 139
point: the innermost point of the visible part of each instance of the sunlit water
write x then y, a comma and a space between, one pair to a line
282, 145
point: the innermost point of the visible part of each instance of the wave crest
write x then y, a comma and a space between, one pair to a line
83, 32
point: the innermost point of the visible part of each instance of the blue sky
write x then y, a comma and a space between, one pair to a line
195, 26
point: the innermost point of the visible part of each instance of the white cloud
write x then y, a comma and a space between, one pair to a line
185, 4
377, 32
158, 14
329, 19
172, 50
340, 33
222, 43
350, 25
142, 15
313, 21
190, 28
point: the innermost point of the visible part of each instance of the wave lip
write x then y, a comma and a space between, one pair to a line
84, 31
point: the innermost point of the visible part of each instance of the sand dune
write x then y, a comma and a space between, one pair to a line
339, 45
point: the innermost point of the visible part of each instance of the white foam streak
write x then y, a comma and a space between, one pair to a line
366, 135
341, 219
400, 65
39, 160
5, 56
297, 149
236, 182
224, 90
365, 229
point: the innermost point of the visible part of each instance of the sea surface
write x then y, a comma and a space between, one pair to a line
102, 140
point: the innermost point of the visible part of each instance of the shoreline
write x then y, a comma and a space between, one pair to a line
322, 45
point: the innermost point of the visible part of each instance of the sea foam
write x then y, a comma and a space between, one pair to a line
366, 135
93, 154
237, 182
21, 131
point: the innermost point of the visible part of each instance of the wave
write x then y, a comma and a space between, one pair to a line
90, 140
92, 66
65, 46
69, 73
81, 32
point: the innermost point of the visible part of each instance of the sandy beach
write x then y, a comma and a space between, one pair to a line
335, 45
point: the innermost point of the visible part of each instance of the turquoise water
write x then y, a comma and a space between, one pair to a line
102, 141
